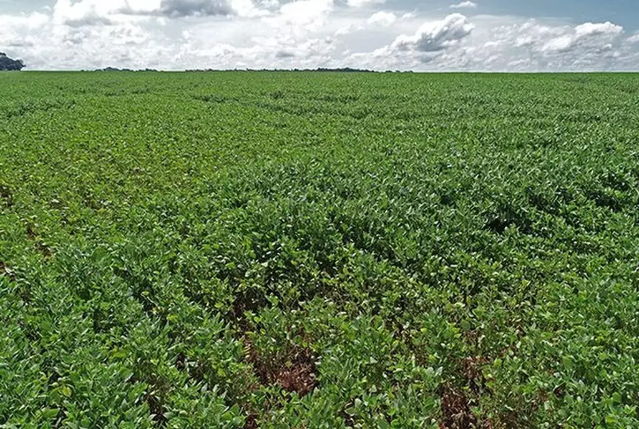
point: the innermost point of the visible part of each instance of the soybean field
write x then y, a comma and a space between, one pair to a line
319, 250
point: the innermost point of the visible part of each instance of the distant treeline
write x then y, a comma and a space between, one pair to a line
115, 69
318, 70
7, 63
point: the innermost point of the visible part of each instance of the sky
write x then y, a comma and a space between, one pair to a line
417, 35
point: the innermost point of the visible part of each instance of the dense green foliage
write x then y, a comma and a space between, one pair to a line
7, 64
298, 250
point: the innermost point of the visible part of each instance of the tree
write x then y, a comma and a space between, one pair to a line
7, 63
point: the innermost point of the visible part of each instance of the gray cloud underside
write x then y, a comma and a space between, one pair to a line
182, 8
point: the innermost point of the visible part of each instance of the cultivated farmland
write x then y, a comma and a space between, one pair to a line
319, 250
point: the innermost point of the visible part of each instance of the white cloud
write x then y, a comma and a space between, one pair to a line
382, 18
348, 29
464, 5
565, 39
364, 3
179, 34
178, 8
21, 32
492, 43
88, 12
597, 29
298, 20
306, 10
550, 46
436, 36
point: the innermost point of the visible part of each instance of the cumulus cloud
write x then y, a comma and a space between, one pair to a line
21, 31
90, 12
596, 29
305, 10
79, 14
179, 34
545, 38
493, 43
364, 3
382, 18
179, 8
540, 46
583, 36
464, 5
436, 36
